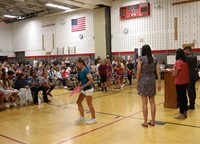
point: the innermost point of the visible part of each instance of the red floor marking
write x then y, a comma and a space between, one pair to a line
102, 126
14, 140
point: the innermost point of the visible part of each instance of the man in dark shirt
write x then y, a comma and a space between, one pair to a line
35, 87
102, 72
193, 76
130, 68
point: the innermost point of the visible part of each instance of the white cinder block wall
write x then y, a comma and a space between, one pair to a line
27, 35
5, 40
157, 30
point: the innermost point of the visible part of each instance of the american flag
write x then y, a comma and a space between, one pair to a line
78, 24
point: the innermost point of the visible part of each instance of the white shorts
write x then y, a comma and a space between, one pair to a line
88, 92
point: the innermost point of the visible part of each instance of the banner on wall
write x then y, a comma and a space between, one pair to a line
78, 24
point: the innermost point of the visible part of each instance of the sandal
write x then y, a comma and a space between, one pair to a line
144, 125
151, 124
180, 116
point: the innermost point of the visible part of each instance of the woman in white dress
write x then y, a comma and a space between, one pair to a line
9, 92
22, 86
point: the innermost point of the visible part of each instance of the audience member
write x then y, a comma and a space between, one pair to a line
35, 86
58, 76
44, 81
109, 73
10, 93
23, 88
130, 68
162, 68
102, 72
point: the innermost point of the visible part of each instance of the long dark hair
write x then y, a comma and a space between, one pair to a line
4, 79
188, 48
32, 71
81, 60
146, 51
180, 55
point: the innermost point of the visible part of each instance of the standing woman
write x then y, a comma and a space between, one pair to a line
123, 66
130, 68
109, 74
85, 82
181, 80
146, 83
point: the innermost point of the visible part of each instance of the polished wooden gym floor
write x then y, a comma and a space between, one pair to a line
119, 118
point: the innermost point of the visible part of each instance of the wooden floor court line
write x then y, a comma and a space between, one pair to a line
106, 94
95, 97
96, 129
116, 115
193, 126
123, 117
111, 114
86, 110
103, 126
183, 125
51, 113
11, 139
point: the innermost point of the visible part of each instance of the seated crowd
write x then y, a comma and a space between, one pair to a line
21, 83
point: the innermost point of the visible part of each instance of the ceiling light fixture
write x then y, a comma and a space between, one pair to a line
57, 6
10, 16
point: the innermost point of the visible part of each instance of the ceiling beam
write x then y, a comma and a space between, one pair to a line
35, 4
71, 10
13, 11
77, 4
97, 2
23, 7
184, 2
106, 2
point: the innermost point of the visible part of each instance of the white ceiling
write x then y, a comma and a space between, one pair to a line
31, 8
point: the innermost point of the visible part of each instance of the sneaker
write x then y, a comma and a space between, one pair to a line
81, 120
65, 87
14, 104
92, 121
122, 85
7, 105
